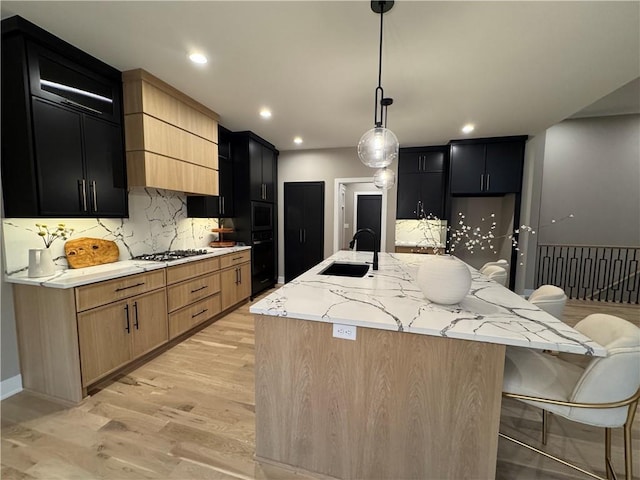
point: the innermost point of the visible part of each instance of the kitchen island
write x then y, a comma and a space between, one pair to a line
414, 392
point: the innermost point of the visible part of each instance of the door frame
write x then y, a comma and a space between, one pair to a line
336, 211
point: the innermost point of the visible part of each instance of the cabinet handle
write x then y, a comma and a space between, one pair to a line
199, 313
198, 289
82, 184
236, 258
481, 181
220, 204
224, 208
300, 235
94, 191
126, 311
304, 235
239, 275
130, 286
488, 181
135, 315
79, 105
418, 209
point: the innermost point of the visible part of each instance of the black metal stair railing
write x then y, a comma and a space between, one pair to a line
588, 272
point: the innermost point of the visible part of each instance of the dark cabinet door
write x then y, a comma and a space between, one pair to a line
256, 187
57, 135
269, 174
420, 192
303, 227
467, 169
225, 188
105, 179
409, 196
503, 167
432, 194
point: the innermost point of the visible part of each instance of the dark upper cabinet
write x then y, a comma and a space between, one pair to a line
222, 205
486, 166
303, 227
421, 182
262, 172
62, 152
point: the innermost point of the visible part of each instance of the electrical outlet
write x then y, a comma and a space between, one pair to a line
348, 332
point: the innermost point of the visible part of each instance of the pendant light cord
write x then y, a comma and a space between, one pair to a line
379, 91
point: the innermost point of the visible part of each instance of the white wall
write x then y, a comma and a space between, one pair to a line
326, 165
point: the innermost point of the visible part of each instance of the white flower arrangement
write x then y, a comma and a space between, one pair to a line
481, 237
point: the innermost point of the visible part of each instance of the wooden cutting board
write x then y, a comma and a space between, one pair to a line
86, 252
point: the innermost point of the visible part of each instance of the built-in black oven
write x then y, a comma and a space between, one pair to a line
261, 216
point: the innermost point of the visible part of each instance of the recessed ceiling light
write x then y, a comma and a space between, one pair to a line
297, 140
468, 128
265, 113
198, 58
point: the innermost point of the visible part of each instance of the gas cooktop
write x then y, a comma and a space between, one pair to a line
170, 255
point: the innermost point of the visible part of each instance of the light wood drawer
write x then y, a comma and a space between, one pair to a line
184, 293
144, 132
188, 317
189, 270
97, 294
235, 258
146, 169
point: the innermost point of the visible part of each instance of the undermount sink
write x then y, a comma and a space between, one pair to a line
342, 269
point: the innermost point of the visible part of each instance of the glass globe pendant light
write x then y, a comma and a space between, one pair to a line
379, 146
384, 178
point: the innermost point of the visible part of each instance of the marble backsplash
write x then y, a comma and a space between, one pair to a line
157, 222
421, 233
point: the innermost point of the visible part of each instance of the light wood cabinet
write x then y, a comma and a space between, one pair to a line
69, 339
115, 334
235, 283
196, 299
170, 139
113, 331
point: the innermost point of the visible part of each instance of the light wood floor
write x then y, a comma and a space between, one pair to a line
189, 414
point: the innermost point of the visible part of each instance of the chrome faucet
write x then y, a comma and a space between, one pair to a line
375, 244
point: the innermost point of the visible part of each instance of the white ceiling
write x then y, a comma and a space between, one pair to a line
509, 67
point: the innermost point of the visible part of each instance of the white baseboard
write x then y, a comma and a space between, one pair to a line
281, 280
10, 387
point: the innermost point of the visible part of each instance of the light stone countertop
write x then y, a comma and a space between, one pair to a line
390, 299
75, 277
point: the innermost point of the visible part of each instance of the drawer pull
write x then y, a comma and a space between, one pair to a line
128, 325
135, 315
130, 286
237, 258
199, 313
199, 288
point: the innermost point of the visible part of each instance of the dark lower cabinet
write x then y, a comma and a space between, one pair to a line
486, 166
303, 227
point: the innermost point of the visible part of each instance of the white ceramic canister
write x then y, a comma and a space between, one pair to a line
41, 263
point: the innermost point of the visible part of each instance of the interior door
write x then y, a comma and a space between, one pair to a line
368, 213
304, 227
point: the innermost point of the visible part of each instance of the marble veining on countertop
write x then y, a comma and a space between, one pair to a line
75, 277
390, 299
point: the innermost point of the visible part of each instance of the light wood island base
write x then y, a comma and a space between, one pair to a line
387, 405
